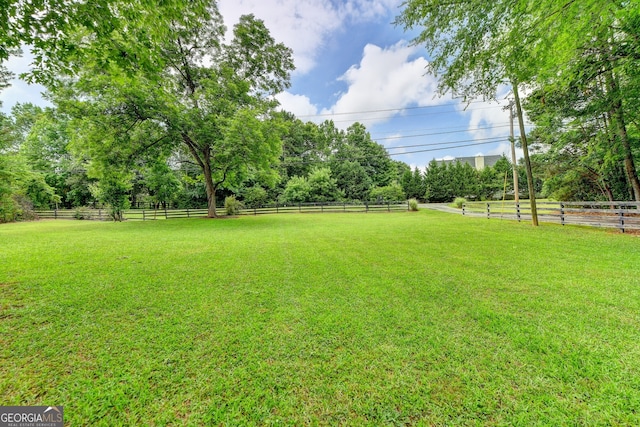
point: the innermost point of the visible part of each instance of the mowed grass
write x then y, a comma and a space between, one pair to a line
420, 318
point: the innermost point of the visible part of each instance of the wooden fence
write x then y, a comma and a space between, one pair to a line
621, 215
277, 208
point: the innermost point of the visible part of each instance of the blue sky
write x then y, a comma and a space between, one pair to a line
353, 64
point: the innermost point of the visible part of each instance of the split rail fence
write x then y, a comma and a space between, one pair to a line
157, 214
624, 216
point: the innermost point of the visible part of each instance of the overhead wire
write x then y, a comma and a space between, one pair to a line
431, 144
438, 133
391, 109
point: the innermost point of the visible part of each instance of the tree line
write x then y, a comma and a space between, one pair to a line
43, 169
173, 110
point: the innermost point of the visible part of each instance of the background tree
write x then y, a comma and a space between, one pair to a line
323, 187
388, 193
352, 180
413, 184
297, 190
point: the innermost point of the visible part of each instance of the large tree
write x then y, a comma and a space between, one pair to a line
591, 84
211, 98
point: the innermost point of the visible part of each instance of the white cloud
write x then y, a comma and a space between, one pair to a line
385, 79
300, 105
305, 25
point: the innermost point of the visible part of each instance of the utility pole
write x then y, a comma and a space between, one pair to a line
514, 161
527, 160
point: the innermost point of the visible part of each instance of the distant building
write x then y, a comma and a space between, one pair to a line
478, 162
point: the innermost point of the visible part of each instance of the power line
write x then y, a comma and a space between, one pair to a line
389, 110
362, 119
492, 139
439, 133
449, 146
439, 149
462, 128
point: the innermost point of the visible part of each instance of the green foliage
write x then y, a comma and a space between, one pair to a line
297, 190
413, 205
40, 194
232, 206
437, 181
82, 213
352, 179
322, 187
356, 161
413, 184
113, 189
212, 98
388, 193
162, 182
459, 201
254, 197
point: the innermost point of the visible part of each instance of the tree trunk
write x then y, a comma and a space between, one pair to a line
203, 158
629, 164
211, 191
527, 161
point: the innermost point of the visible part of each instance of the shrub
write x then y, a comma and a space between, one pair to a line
389, 193
413, 205
82, 212
254, 197
297, 190
232, 206
459, 201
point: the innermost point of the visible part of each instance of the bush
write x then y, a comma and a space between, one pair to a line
389, 193
413, 205
82, 212
232, 206
459, 201
254, 197
297, 190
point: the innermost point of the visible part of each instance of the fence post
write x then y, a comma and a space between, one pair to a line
488, 211
366, 206
518, 211
562, 213
188, 213
277, 211
144, 218
165, 212
463, 206
299, 207
621, 213
388, 206
55, 213
321, 207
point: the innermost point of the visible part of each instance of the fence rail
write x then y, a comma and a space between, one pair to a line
158, 214
621, 215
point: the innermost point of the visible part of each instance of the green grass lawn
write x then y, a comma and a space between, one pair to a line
423, 318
